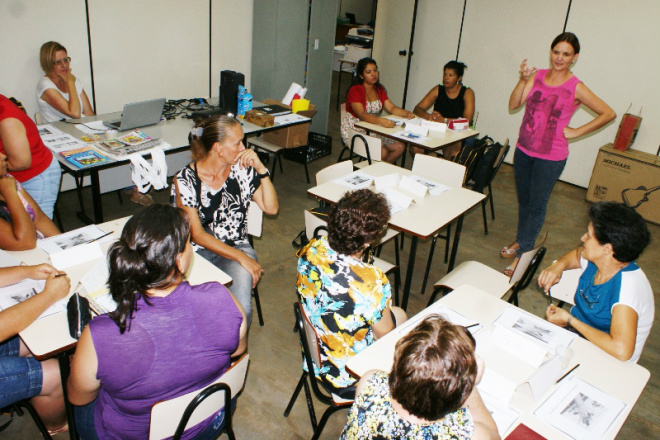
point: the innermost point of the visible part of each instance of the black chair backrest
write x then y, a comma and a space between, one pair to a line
366, 147
484, 167
207, 392
504, 151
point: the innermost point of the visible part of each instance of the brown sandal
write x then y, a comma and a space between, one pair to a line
510, 250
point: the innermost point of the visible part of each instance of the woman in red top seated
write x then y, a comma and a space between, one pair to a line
365, 101
28, 159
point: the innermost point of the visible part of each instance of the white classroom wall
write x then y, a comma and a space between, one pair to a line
619, 61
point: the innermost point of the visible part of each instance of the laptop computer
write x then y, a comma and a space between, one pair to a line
138, 114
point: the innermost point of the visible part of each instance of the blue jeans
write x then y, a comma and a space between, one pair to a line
84, 416
535, 179
44, 187
241, 285
20, 377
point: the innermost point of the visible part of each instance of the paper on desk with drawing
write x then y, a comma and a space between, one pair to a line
413, 186
19, 292
435, 188
517, 345
535, 329
355, 180
580, 409
73, 238
62, 142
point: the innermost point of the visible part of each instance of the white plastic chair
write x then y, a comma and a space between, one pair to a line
334, 171
564, 290
315, 227
345, 149
190, 409
366, 147
490, 280
448, 173
255, 220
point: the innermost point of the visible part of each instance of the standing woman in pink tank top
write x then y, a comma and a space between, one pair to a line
551, 96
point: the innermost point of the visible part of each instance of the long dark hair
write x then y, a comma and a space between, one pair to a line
145, 257
359, 70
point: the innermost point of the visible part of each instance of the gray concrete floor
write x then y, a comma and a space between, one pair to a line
274, 349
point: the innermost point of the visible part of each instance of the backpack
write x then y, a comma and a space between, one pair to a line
485, 166
469, 155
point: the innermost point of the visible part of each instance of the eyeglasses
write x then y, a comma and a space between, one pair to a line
590, 303
66, 60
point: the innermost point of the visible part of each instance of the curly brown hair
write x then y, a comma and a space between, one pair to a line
358, 219
434, 369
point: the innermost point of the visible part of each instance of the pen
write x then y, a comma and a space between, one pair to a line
99, 237
63, 274
567, 373
471, 325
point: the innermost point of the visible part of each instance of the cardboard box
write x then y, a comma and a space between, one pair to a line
631, 177
260, 118
292, 136
356, 53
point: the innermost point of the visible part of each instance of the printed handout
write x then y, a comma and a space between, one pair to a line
355, 180
19, 292
73, 238
535, 329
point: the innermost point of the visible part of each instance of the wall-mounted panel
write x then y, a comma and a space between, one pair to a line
26, 25
231, 40
620, 63
149, 49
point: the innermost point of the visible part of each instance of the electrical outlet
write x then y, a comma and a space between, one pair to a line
316, 44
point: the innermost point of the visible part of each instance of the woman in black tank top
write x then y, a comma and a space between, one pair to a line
450, 100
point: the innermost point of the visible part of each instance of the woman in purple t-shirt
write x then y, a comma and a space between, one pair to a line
551, 97
165, 339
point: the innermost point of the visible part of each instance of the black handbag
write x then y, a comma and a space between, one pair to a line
79, 314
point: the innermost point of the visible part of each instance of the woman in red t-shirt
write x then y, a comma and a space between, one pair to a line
365, 101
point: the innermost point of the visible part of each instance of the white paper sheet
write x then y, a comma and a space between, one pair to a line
97, 277
387, 181
46, 130
545, 377
69, 239
397, 200
442, 310
535, 329
7, 260
435, 188
503, 414
75, 255
62, 142
398, 120
19, 292
96, 127
410, 137
355, 180
517, 345
495, 384
580, 409
289, 119
413, 186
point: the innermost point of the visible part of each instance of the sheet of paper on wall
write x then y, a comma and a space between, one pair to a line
19, 292
535, 329
518, 346
580, 409
387, 181
73, 238
355, 180
435, 188
397, 200
291, 118
503, 415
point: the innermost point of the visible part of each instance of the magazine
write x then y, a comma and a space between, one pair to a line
84, 157
133, 142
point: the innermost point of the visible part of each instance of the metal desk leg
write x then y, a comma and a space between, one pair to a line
341, 65
96, 197
409, 272
454, 248
63, 360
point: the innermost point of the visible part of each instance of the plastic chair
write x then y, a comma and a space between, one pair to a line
16, 409
491, 280
312, 357
565, 289
445, 172
365, 147
38, 119
197, 406
334, 171
489, 174
342, 114
255, 219
315, 227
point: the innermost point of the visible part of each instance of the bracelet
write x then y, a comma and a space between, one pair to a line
264, 175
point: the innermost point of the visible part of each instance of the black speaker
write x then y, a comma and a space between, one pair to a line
229, 82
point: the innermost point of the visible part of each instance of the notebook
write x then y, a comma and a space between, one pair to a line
138, 114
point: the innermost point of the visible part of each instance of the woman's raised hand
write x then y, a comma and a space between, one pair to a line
249, 158
526, 71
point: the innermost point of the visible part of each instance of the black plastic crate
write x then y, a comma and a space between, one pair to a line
319, 145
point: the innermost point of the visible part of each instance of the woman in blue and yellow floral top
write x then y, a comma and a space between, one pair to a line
347, 300
430, 393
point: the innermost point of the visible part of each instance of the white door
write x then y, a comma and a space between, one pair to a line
391, 48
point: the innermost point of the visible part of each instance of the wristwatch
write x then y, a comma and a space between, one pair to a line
264, 175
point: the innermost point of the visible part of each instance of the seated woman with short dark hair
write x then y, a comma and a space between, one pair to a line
430, 393
347, 300
614, 305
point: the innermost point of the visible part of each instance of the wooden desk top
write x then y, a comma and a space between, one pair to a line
623, 380
434, 143
50, 335
423, 218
